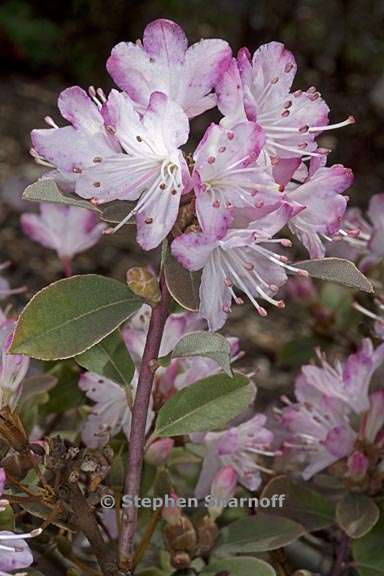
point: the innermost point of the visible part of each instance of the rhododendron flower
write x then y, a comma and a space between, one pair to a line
111, 412
321, 194
322, 422
226, 175
113, 153
361, 239
240, 448
164, 63
259, 88
223, 488
237, 259
66, 229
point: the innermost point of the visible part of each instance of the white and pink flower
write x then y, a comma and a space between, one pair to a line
66, 229
334, 412
164, 63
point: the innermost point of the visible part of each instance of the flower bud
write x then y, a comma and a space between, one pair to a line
144, 283
159, 451
171, 512
222, 489
357, 465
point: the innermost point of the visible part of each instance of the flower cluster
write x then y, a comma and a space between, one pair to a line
335, 416
258, 170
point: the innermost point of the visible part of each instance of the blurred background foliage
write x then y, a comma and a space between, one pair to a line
47, 45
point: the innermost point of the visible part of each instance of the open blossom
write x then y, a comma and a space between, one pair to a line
239, 258
113, 153
333, 409
362, 239
111, 412
242, 448
164, 63
226, 175
259, 88
322, 195
66, 229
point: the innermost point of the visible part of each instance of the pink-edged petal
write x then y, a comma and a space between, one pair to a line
230, 96
69, 149
269, 225
193, 250
116, 179
270, 62
165, 42
205, 63
156, 219
213, 215
358, 371
167, 119
110, 412
77, 107
215, 297
285, 169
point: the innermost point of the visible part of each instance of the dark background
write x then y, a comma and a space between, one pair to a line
46, 46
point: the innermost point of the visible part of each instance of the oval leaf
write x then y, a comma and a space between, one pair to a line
182, 284
208, 344
368, 551
47, 190
302, 504
357, 514
205, 405
258, 534
336, 270
71, 315
109, 358
237, 566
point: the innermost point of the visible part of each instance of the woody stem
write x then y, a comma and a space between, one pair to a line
139, 417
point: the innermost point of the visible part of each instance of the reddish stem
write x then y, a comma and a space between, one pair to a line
139, 418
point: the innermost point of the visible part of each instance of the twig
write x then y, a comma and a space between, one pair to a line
341, 555
139, 417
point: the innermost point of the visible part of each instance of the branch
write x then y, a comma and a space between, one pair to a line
139, 417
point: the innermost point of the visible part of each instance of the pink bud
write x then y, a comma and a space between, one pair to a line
357, 465
171, 511
224, 483
159, 451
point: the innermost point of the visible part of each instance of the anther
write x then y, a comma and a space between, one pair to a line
97, 184
76, 170
97, 159
110, 129
281, 188
285, 114
297, 93
139, 138
275, 80
230, 135
286, 243
148, 220
288, 104
163, 186
259, 204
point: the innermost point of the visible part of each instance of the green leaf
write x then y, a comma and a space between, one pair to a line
116, 211
109, 358
237, 566
46, 190
71, 315
258, 534
357, 514
208, 344
368, 551
336, 270
205, 405
36, 385
66, 394
302, 504
7, 518
182, 284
